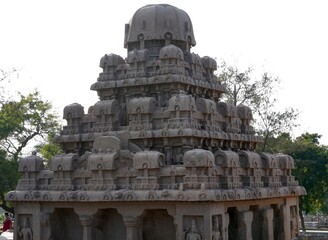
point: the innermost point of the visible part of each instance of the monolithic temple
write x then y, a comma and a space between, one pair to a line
160, 156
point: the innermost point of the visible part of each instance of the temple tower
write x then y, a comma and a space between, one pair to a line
160, 155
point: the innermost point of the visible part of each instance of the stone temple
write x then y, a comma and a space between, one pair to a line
159, 156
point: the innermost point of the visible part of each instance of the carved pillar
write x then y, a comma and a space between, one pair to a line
245, 225
131, 224
267, 224
225, 225
86, 222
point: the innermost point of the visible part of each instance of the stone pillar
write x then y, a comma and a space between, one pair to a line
131, 224
178, 222
267, 224
207, 227
45, 225
86, 222
286, 219
225, 225
245, 225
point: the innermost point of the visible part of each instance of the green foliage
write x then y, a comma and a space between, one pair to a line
272, 123
283, 143
8, 175
311, 170
49, 148
258, 93
311, 160
24, 120
29, 118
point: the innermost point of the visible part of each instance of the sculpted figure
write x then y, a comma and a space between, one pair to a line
25, 232
193, 233
216, 235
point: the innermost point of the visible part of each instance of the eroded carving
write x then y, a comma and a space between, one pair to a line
159, 137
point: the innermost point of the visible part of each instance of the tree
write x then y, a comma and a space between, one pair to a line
23, 121
271, 122
8, 178
311, 162
258, 94
283, 143
311, 168
29, 118
49, 148
5, 75
311, 171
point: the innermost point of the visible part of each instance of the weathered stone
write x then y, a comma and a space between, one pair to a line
159, 156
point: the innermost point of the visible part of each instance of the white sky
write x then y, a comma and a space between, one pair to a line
57, 46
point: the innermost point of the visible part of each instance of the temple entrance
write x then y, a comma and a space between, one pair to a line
65, 224
152, 225
108, 225
233, 224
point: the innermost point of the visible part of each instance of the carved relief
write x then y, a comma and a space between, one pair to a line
217, 227
25, 229
160, 132
192, 232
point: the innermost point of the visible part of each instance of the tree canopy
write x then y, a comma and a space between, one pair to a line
25, 120
259, 94
276, 126
311, 168
21, 121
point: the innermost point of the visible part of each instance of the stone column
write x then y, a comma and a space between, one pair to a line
286, 219
131, 224
267, 224
86, 222
45, 225
225, 226
245, 225
131, 216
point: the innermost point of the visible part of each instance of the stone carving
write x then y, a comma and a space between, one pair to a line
158, 138
30, 166
25, 231
192, 233
216, 228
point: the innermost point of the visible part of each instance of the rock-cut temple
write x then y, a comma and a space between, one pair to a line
159, 156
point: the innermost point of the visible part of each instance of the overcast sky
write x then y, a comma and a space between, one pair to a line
57, 46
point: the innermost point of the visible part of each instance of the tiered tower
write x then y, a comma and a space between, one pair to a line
159, 156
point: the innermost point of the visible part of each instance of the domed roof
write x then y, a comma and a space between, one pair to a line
158, 22
170, 51
111, 60
106, 107
74, 110
182, 102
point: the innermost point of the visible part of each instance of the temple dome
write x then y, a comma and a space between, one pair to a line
159, 22
74, 110
171, 51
